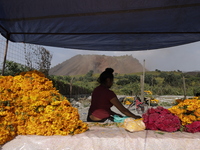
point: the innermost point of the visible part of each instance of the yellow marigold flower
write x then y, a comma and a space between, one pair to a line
127, 103
197, 112
33, 106
192, 117
191, 107
3, 113
148, 92
56, 103
186, 120
188, 110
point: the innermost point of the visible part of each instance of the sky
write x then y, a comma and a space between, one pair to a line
183, 58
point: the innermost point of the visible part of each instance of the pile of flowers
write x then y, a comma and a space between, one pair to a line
148, 92
161, 119
188, 112
185, 116
128, 100
154, 102
29, 104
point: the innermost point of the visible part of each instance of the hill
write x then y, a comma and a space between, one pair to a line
82, 64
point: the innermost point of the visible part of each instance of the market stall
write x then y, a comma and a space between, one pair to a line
34, 115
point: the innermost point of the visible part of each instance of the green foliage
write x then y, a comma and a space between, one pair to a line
123, 82
160, 83
89, 74
173, 80
12, 68
63, 86
65, 79
132, 78
165, 104
127, 79
163, 74
150, 79
88, 77
157, 70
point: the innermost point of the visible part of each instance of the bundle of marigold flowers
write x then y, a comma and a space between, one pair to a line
189, 113
29, 104
161, 119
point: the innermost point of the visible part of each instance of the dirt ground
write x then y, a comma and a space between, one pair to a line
83, 105
83, 111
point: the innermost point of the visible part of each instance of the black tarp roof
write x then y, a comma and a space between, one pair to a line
106, 25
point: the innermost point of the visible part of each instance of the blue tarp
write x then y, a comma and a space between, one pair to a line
106, 25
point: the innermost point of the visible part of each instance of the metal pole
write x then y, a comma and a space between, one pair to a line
142, 88
70, 88
5, 55
142, 80
184, 88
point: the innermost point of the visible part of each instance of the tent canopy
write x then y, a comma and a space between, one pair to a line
106, 25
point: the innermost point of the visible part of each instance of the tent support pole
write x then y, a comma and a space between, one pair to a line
5, 56
142, 82
142, 88
184, 88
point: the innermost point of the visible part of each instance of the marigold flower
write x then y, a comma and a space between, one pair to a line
188, 110
30, 104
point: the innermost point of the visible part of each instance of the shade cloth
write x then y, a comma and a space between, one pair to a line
106, 25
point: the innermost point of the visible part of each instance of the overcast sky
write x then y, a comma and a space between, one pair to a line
184, 58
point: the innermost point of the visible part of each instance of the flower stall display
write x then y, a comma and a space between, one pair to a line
30, 105
185, 116
188, 112
161, 119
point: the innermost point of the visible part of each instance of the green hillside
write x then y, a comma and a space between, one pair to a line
159, 82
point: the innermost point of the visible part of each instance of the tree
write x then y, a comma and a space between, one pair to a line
66, 78
131, 89
12, 68
88, 77
90, 73
38, 58
149, 79
173, 80
163, 74
122, 82
136, 89
44, 61
157, 70
133, 78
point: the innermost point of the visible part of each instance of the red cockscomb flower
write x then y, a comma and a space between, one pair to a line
161, 119
193, 127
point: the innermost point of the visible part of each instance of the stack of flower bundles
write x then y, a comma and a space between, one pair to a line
30, 105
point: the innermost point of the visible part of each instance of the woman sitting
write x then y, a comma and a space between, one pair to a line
103, 99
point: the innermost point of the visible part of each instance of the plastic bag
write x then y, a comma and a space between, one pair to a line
133, 125
119, 119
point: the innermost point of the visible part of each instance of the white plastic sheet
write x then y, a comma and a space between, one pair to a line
108, 138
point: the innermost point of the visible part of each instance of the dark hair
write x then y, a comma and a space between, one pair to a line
108, 73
